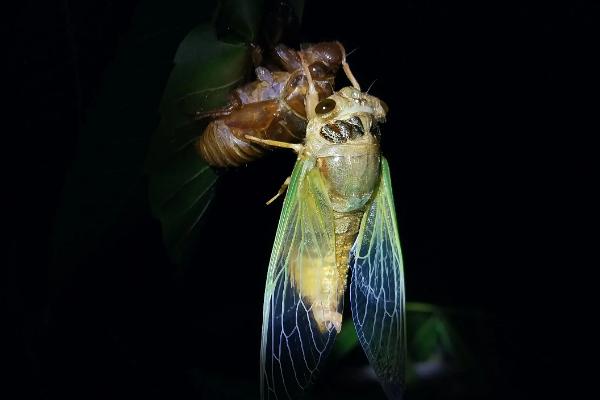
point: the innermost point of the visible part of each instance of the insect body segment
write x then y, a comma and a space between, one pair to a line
337, 215
272, 107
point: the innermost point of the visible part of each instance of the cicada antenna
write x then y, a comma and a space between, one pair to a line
371, 85
347, 70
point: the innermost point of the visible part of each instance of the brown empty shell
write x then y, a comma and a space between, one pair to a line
272, 107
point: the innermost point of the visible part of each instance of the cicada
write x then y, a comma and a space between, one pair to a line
338, 217
271, 107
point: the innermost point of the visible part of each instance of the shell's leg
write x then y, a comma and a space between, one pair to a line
347, 70
232, 105
281, 191
216, 113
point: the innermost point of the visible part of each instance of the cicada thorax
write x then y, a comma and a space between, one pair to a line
271, 107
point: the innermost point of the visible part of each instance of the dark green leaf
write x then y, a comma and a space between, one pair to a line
432, 341
209, 63
180, 182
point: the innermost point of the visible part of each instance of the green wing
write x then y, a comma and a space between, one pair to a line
377, 289
292, 344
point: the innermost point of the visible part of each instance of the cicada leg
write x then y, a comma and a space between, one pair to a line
281, 190
294, 146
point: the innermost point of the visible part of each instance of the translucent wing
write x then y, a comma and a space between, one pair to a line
377, 289
293, 343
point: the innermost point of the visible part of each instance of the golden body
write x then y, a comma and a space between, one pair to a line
349, 171
339, 205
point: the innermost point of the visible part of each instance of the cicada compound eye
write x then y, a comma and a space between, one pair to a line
325, 106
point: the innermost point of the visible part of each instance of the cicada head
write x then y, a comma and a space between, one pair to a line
349, 116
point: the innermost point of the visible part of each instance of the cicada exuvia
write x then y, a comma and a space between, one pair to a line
338, 216
271, 107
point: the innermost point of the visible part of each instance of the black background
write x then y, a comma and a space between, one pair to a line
486, 141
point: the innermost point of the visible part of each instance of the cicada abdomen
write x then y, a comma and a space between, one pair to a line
272, 107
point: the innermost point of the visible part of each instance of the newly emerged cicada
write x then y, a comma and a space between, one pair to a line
338, 215
272, 107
